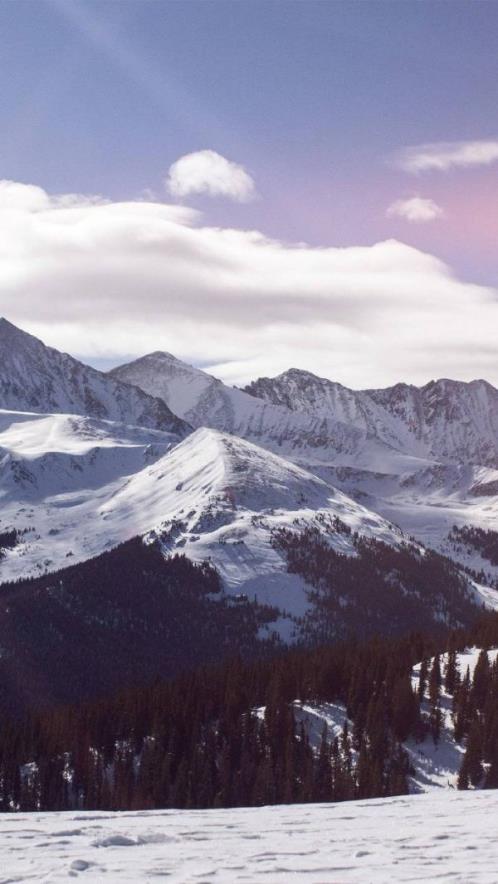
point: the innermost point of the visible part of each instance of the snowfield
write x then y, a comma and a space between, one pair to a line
445, 837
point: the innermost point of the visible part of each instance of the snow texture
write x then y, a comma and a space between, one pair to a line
445, 837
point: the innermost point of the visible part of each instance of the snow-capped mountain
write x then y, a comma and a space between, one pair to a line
97, 459
423, 458
37, 378
442, 466
302, 414
203, 400
73, 487
446, 420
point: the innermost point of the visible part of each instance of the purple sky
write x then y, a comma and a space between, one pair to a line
317, 101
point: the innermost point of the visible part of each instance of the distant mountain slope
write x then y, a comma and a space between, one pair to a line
425, 459
275, 533
303, 415
203, 400
34, 377
448, 420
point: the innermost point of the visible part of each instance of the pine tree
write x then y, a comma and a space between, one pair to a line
481, 681
405, 709
422, 679
322, 790
435, 717
451, 676
462, 708
473, 754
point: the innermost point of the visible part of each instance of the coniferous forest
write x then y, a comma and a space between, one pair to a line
226, 735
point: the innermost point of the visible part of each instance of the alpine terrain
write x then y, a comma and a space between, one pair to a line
317, 513
424, 458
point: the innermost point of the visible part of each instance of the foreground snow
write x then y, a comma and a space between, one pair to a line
446, 836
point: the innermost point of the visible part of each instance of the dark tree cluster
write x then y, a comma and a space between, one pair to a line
480, 539
381, 590
203, 739
9, 540
233, 735
122, 618
228, 733
475, 712
474, 701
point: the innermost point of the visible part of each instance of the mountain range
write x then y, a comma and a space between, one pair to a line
303, 495
425, 458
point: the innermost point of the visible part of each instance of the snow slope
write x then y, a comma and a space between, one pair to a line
439, 464
80, 482
37, 378
76, 486
445, 837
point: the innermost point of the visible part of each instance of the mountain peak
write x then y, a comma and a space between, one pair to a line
38, 378
160, 356
10, 331
298, 389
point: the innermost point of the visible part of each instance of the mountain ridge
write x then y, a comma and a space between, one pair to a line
373, 446
38, 378
444, 419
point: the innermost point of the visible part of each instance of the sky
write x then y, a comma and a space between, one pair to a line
254, 185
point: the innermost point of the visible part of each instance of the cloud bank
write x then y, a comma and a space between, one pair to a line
416, 209
119, 279
446, 155
206, 171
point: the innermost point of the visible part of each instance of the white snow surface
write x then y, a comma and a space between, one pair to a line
442, 837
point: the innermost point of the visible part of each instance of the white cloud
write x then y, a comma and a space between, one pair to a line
446, 155
416, 209
116, 280
206, 171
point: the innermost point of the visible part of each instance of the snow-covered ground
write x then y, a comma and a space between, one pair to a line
446, 836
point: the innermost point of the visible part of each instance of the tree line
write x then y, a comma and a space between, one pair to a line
228, 735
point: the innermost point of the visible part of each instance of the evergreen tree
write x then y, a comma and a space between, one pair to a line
451, 676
